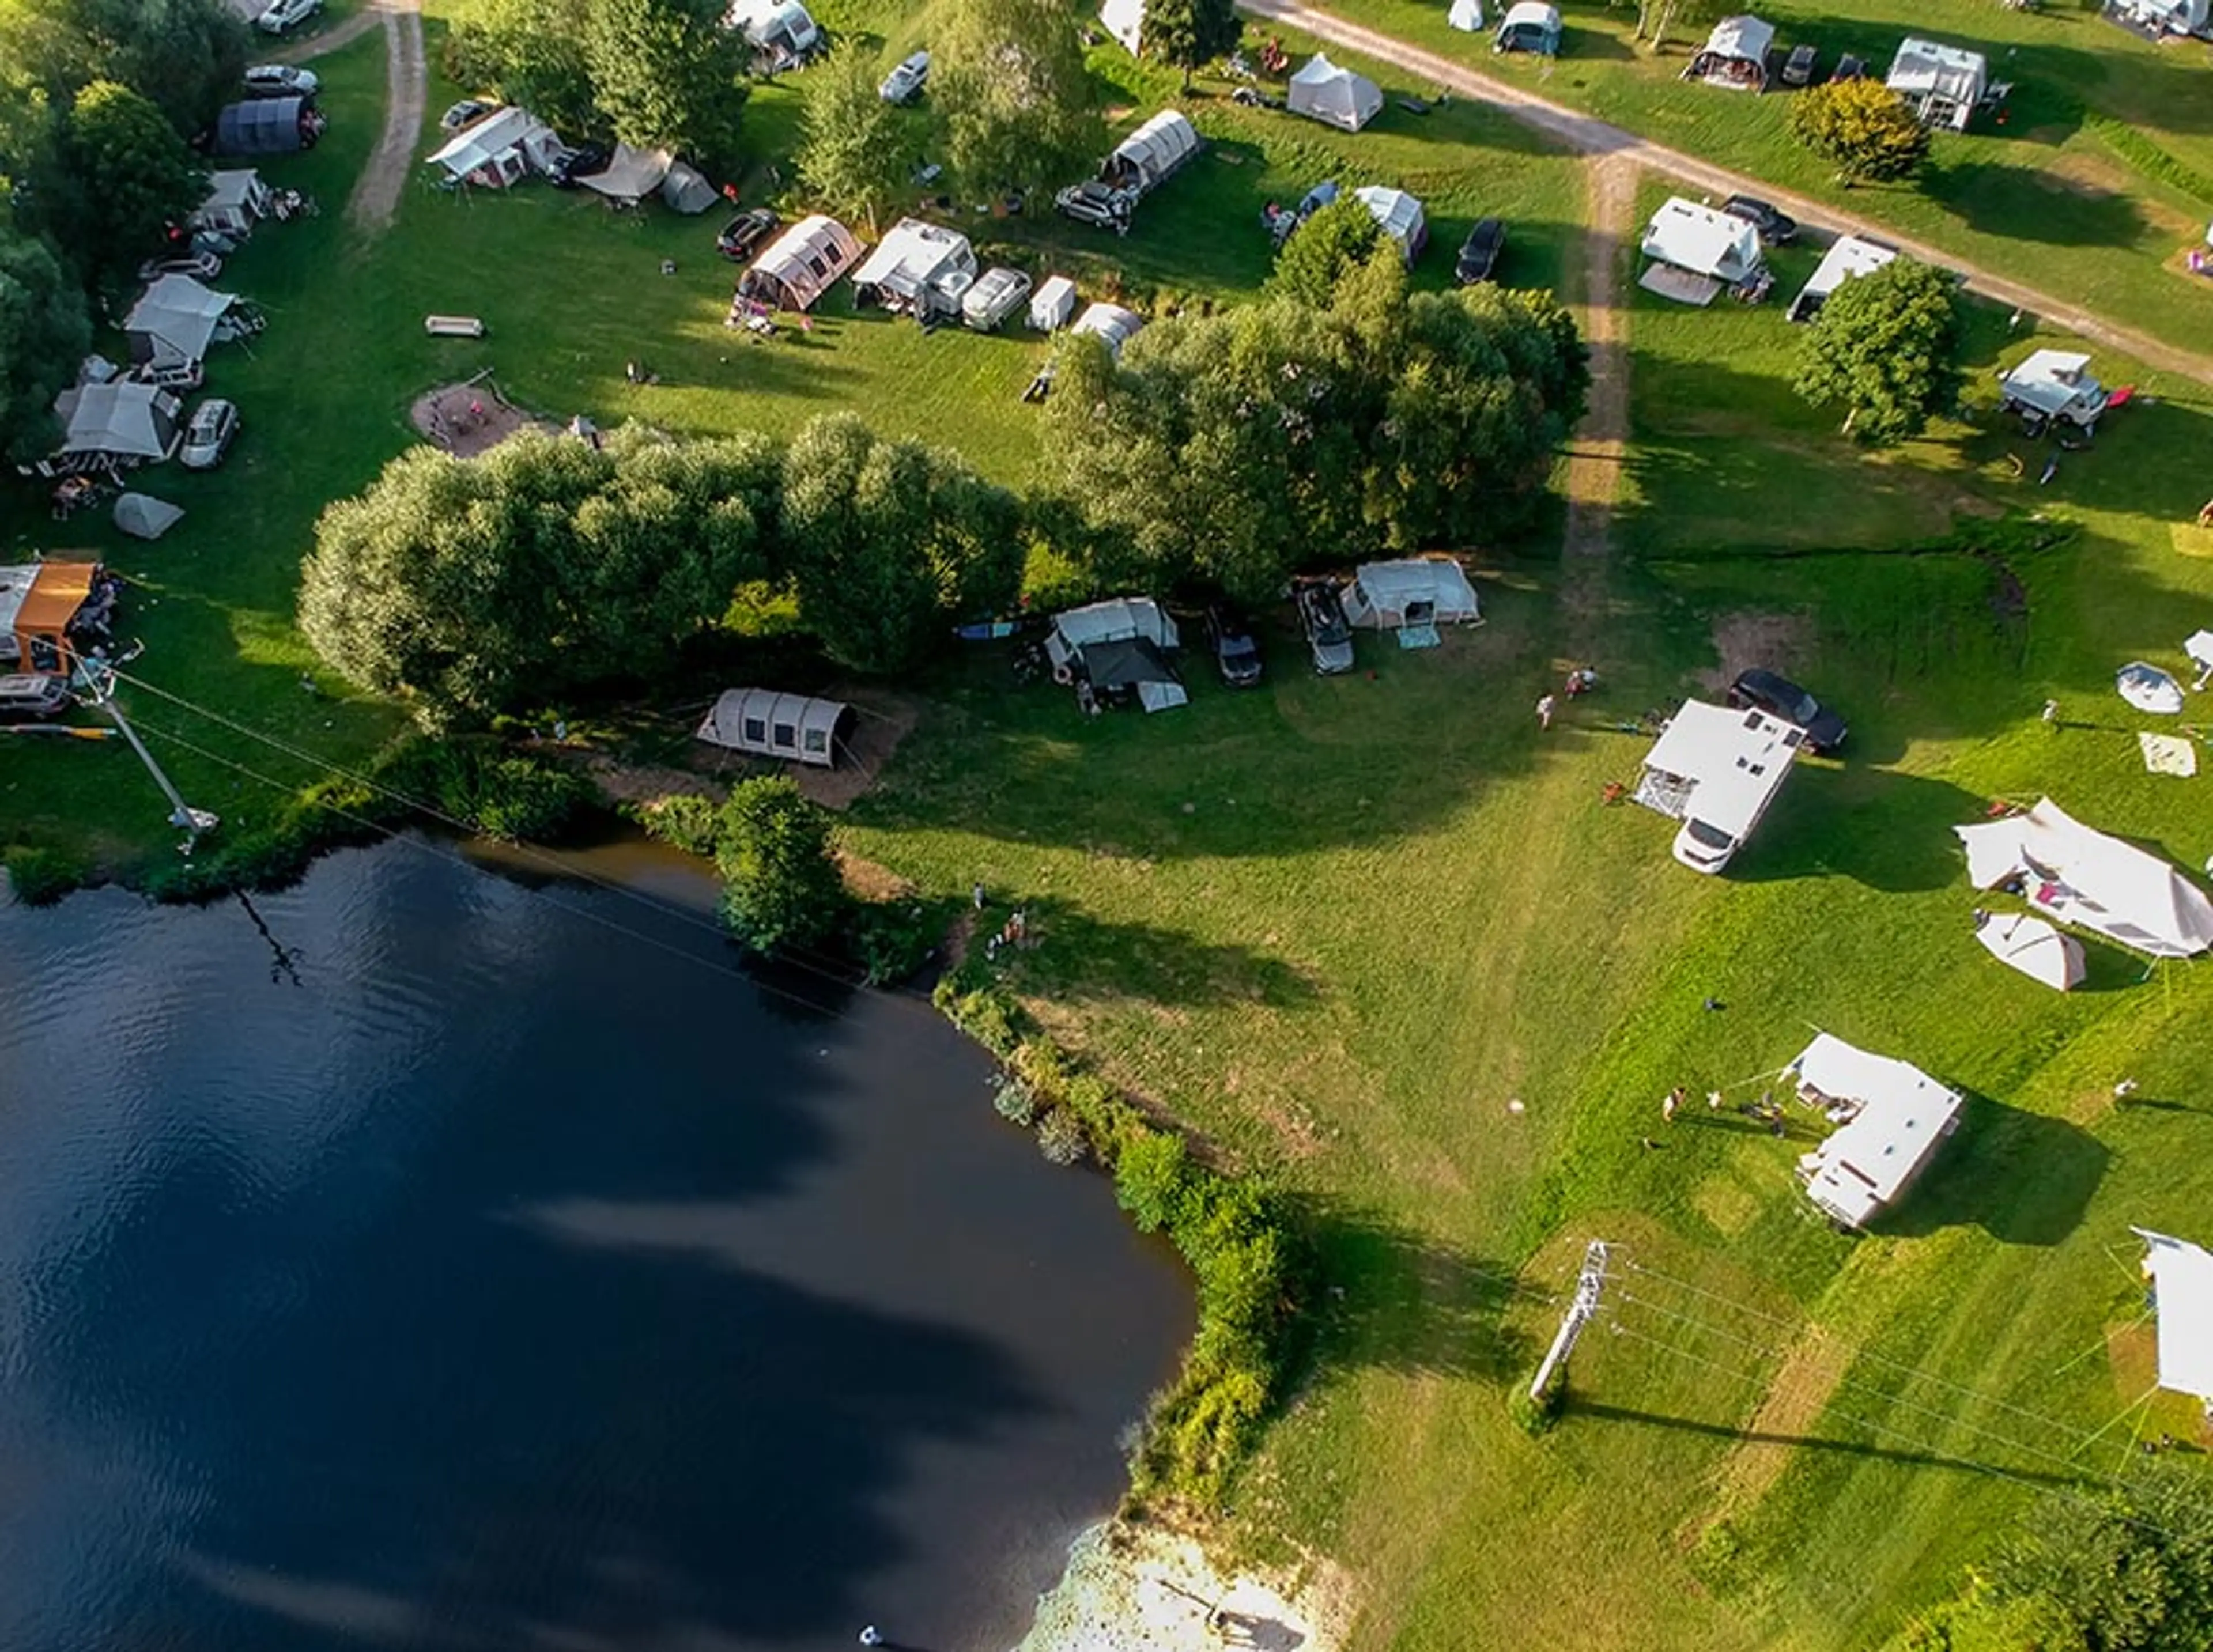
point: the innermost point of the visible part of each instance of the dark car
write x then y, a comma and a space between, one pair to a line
1322, 614
1236, 655
1780, 696
1850, 68
746, 232
28, 695
570, 170
1775, 228
1478, 253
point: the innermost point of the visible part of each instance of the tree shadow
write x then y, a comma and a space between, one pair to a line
1996, 198
1076, 957
2023, 1178
1576, 1405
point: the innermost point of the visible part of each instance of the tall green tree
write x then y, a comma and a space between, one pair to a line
666, 74
44, 334
857, 152
1863, 128
781, 885
1188, 34
1012, 94
1885, 347
125, 177
529, 52
887, 544
184, 55
1339, 236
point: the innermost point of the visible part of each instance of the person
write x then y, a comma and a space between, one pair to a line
1544, 712
2125, 1089
871, 1635
2205, 514
976, 897
1713, 1100
1669, 1102
2052, 713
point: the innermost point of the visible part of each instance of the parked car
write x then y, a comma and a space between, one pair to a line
1850, 68
461, 113
1775, 228
283, 16
995, 295
1321, 612
208, 438
200, 267
1478, 253
1780, 696
28, 695
1798, 67
1236, 655
572, 167
904, 84
746, 232
281, 80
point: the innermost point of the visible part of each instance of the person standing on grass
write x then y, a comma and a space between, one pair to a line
1670, 1102
1544, 712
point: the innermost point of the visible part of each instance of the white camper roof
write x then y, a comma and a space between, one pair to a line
1923, 68
1125, 20
122, 416
1744, 36
770, 724
1052, 303
1337, 97
1733, 762
1697, 238
913, 253
1848, 256
1381, 592
762, 21
486, 140
631, 176
2093, 881
805, 260
2182, 1295
1867, 1162
2053, 382
178, 313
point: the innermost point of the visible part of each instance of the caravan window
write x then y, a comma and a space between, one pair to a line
787, 735
757, 731
818, 740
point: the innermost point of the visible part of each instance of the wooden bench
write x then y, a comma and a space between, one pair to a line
453, 327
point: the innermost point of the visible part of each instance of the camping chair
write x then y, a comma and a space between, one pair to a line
1420, 629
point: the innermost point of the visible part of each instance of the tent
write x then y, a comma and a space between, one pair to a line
2158, 17
1696, 252
768, 724
686, 190
2199, 647
1943, 83
1399, 215
799, 265
2181, 1276
2032, 947
1148, 155
264, 126
1849, 256
1125, 20
1119, 644
1529, 26
144, 517
120, 420
1336, 97
503, 147
236, 200
2079, 876
1110, 323
173, 322
1894, 1116
2148, 688
1465, 15
1412, 591
1734, 54
631, 176
1054, 303
2054, 384
918, 266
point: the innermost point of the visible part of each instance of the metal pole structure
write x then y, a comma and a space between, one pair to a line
99, 678
1584, 1309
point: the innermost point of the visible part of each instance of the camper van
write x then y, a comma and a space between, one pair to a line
1716, 771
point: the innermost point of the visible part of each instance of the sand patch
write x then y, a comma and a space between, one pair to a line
469, 418
1138, 1589
1796, 1399
880, 721
1747, 638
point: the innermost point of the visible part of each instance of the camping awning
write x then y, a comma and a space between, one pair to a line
2182, 1293
124, 418
1746, 37
60, 589
181, 314
2096, 882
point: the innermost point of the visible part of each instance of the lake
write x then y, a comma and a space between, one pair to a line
422, 1259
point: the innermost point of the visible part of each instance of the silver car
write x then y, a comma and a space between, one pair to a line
281, 80
283, 16
904, 83
208, 437
1329, 636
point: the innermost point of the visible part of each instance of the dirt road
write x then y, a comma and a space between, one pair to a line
1595, 456
1587, 133
376, 192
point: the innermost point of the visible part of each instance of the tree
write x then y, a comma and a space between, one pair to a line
184, 55
857, 152
666, 74
887, 544
1341, 234
129, 178
1187, 35
1010, 85
1886, 346
1863, 128
529, 53
781, 885
44, 334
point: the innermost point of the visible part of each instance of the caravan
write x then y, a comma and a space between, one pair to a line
1716, 771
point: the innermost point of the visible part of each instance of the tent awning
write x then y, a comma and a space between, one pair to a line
2032, 947
631, 176
2080, 877
2182, 1292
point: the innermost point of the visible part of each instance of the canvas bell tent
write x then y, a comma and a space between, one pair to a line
1894, 1117
2032, 947
765, 723
1336, 97
801, 264
2070, 873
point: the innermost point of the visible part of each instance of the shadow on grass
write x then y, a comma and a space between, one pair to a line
1598, 1410
2023, 1178
1996, 199
1077, 957
1888, 831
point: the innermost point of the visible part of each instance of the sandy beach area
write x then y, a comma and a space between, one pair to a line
1138, 1589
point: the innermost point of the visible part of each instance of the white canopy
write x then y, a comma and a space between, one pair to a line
2032, 947
2147, 688
768, 724
1383, 595
144, 517
1688, 237
1898, 1116
502, 147
631, 176
2199, 647
174, 322
1848, 256
2085, 877
123, 418
1110, 322
2182, 1295
1399, 214
801, 264
1743, 37
1125, 20
1337, 97
1467, 16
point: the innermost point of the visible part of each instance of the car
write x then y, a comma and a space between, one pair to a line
463, 113
1478, 253
1798, 67
996, 294
200, 267
29, 694
1779, 697
214, 426
281, 80
572, 167
746, 232
283, 16
1850, 68
1236, 655
904, 84
1329, 637
1775, 228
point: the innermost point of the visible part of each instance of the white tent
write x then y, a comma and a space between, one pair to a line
1943, 83
2147, 688
1415, 590
2199, 647
781, 29
2162, 16
631, 176
1529, 26
768, 724
2032, 947
917, 265
2055, 384
122, 419
236, 200
1111, 323
2079, 876
1465, 15
2181, 1276
1896, 1115
1125, 20
1336, 97
1118, 643
1399, 215
503, 147
144, 517
1848, 257
175, 320
801, 264
686, 190
1734, 54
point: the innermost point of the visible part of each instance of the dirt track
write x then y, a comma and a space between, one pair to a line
1595, 456
377, 193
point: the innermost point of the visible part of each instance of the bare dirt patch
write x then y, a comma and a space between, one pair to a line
1594, 478
1796, 1399
376, 192
880, 721
1745, 639
871, 882
469, 418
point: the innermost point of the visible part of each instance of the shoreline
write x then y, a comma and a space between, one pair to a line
1137, 1588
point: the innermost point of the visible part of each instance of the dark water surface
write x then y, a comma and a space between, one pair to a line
512, 1282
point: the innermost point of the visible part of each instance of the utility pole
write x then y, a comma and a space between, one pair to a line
98, 678
1589, 1283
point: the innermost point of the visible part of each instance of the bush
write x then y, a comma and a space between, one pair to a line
892, 940
40, 877
1149, 1180
1013, 1100
1060, 1138
1863, 128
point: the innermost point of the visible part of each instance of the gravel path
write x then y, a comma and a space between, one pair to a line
376, 192
1595, 455
1587, 133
